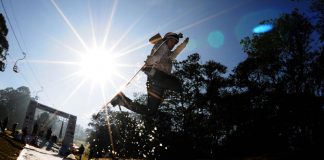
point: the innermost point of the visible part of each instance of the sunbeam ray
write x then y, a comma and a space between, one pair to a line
127, 65
66, 78
92, 26
66, 20
49, 120
109, 23
113, 84
126, 33
53, 62
74, 91
120, 76
138, 42
211, 16
174, 20
66, 46
159, 28
91, 89
132, 50
103, 94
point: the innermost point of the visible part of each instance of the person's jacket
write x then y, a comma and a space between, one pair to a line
161, 57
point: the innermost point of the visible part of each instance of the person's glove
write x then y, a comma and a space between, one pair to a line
147, 68
186, 40
149, 60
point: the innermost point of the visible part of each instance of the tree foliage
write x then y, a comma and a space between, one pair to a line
4, 46
282, 80
14, 103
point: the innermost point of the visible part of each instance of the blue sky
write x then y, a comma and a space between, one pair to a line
56, 33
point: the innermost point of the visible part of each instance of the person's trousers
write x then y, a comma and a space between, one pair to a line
156, 85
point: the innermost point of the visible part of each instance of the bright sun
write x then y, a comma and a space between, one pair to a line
98, 65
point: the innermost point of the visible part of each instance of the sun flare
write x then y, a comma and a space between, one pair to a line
98, 65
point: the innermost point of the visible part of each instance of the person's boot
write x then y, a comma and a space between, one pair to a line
121, 100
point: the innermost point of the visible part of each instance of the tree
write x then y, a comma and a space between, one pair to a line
14, 103
98, 136
281, 79
317, 6
79, 133
4, 46
193, 113
280, 59
128, 135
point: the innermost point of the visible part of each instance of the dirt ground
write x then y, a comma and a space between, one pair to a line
9, 149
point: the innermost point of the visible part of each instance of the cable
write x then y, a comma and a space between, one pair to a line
15, 68
20, 47
16, 22
24, 77
4, 9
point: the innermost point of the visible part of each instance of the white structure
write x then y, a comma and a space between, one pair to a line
29, 121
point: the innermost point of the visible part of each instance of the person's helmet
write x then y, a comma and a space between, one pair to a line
172, 35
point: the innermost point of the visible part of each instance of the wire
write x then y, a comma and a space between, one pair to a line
23, 42
15, 68
24, 77
16, 22
4, 9
21, 49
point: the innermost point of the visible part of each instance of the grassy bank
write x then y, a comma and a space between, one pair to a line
10, 148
